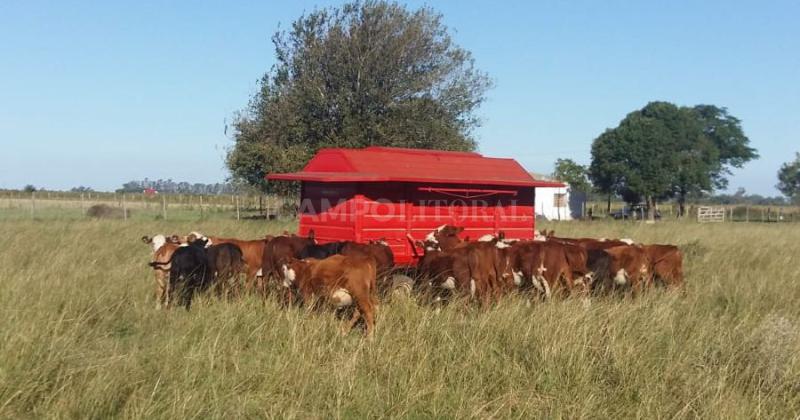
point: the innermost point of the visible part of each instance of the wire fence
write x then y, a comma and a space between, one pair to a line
70, 205
43, 205
732, 213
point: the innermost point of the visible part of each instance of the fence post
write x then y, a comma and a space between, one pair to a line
164, 207
237, 207
747, 214
201, 206
124, 208
33, 204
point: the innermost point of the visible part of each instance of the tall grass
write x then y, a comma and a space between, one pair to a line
79, 337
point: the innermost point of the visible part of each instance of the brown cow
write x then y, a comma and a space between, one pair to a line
252, 253
444, 238
628, 267
340, 280
596, 260
551, 266
485, 267
480, 270
666, 262
163, 248
226, 262
277, 252
377, 250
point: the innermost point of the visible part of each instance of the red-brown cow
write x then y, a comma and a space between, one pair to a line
546, 265
666, 262
628, 267
252, 252
279, 251
480, 270
444, 238
379, 251
163, 248
340, 280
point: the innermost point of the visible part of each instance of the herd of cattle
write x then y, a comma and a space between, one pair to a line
351, 274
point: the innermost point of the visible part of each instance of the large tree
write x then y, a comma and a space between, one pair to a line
635, 160
789, 179
366, 73
665, 151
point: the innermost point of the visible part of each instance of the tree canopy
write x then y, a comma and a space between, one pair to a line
664, 150
789, 179
567, 170
366, 73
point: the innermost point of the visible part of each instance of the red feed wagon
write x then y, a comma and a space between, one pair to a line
390, 193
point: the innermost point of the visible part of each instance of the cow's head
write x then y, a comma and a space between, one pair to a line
292, 270
179, 240
381, 241
201, 243
444, 237
155, 242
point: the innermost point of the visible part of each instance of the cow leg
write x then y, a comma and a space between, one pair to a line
172, 285
352, 322
253, 280
367, 310
219, 285
364, 309
161, 289
236, 285
567, 282
537, 284
545, 287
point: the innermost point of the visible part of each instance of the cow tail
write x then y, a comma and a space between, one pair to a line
155, 264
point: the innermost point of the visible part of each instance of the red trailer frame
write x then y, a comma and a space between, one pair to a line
391, 193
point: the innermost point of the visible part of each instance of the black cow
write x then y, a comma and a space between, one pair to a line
189, 269
323, 251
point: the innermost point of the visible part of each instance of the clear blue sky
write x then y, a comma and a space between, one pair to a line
98, 93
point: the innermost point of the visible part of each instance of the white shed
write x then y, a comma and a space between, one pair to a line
556, 203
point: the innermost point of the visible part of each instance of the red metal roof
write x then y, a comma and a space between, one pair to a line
384, 164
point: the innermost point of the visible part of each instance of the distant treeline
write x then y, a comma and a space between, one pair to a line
741, 198
171, 187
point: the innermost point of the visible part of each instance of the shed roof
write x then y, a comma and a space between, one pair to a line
385, 164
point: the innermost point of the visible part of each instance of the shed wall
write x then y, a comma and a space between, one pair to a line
371, 210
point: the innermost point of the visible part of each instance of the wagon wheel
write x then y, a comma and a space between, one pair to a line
401, 285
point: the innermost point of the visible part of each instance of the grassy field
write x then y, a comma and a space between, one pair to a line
79, 337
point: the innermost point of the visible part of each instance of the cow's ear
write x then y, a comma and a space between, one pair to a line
191, 238
501, 235
175, 239
147, 239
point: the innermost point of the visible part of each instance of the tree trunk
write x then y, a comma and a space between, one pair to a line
681, 204
608, 206
651, 211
